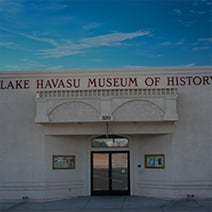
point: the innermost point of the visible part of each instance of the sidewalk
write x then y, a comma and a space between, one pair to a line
111, 204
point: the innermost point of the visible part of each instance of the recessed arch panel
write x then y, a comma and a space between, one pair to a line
75, 111
138, 110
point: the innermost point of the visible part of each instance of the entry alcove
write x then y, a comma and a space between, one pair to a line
72, 117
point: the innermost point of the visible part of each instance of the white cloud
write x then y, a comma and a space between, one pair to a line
27, 64
113, 38
7, 44
201, 48
186, 23
91, 26
36, 38
166, 43
206, 39
178, 12
179, 43
11, 6
70, 48
202, 44
190, 64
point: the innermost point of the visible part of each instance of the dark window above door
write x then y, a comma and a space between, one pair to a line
110, 141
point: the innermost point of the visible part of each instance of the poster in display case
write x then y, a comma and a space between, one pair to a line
63, 162
154, 161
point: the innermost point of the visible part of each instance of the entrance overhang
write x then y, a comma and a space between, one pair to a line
122, 128
127, 111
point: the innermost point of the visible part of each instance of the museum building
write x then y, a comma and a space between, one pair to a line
143, 132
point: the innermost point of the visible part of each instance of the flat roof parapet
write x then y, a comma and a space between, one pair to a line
144, 92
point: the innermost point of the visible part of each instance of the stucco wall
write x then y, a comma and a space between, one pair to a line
27, 146
22, 149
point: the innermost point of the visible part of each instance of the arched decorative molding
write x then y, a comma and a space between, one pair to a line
127, 105
66, 102
138, 110
73, 111
143, 100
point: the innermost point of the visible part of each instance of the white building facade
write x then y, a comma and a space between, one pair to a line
144, 132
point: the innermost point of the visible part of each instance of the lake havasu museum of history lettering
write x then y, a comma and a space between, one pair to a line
106, 82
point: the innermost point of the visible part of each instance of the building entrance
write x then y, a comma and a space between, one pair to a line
110, 173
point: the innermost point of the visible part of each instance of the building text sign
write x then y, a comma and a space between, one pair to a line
106, 82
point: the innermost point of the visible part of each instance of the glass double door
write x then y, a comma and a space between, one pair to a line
110, 173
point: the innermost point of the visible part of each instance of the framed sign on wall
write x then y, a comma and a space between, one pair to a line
154, 161
63, 161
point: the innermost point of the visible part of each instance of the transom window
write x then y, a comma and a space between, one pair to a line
110, 141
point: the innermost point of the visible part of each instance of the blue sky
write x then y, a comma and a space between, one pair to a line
87, 34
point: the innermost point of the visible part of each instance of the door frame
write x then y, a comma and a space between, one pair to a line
110, 191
